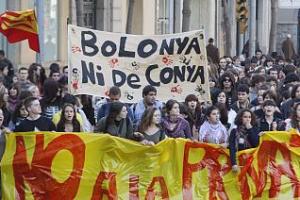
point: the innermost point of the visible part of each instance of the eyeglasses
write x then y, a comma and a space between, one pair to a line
227, 80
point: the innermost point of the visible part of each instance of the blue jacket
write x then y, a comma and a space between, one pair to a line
105, 108
138, 110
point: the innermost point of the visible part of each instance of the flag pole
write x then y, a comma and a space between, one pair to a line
39, 5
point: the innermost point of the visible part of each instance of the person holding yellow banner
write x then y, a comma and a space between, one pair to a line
117, 122
212, 130
150, 126
294, 121
174, 125
244, 136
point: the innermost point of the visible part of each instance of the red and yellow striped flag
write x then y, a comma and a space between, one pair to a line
20, 25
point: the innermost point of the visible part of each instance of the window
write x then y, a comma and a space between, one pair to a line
164, 16
89, 13
50, 30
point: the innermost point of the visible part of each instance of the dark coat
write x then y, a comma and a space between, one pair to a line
213, 53
288, 48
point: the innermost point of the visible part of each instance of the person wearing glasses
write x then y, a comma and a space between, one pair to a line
227, 85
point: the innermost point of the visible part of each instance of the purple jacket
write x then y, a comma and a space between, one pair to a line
181, 130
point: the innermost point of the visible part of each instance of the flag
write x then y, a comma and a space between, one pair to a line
20, 25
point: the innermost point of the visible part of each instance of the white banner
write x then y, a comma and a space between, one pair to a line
175, 64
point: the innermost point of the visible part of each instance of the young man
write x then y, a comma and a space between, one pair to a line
54, 75
34, 121
243, 98
149, 100
269, 122
23, 81
114, 95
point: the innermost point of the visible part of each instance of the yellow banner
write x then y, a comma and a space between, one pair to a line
97, 166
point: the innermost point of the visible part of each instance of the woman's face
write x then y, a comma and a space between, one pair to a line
298, 111
246, 118
23, 112
15, 79
5, 71
214, 116
297, 94
1, 117
123, 113
5, 95
156, 117
38, 70
192, 105
175, 111
35, 92
13, 92
222, 98
69, 113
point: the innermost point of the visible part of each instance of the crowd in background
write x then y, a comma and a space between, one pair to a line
249, 95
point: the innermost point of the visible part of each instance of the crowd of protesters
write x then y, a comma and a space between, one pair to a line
248, 97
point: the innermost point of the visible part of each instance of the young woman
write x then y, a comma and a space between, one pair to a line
244, 136
220, 99
150, 126
7, 79
37, 75
3, 105
195, 115
117, 122
51, 101
174, 124
212, 130
68, 121
227, 84
13, 94
18, 116
294, 121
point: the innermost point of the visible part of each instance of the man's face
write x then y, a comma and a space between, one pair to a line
23, 75
223, 63
269, 110
150, 98
242, 97
66, 71
55, 76
274, 74
258, 55
35, 107
114, 98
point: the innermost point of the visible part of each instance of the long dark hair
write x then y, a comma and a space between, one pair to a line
294, 119
146, 120
223, 113
169, 105
16, 114
50, 89
34, 77
62, 121
239, 118
115, 109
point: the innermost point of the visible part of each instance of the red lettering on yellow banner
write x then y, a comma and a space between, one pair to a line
266, 157
209, 161
151, 194
99, 192
295, 140
133, 187
38, 174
